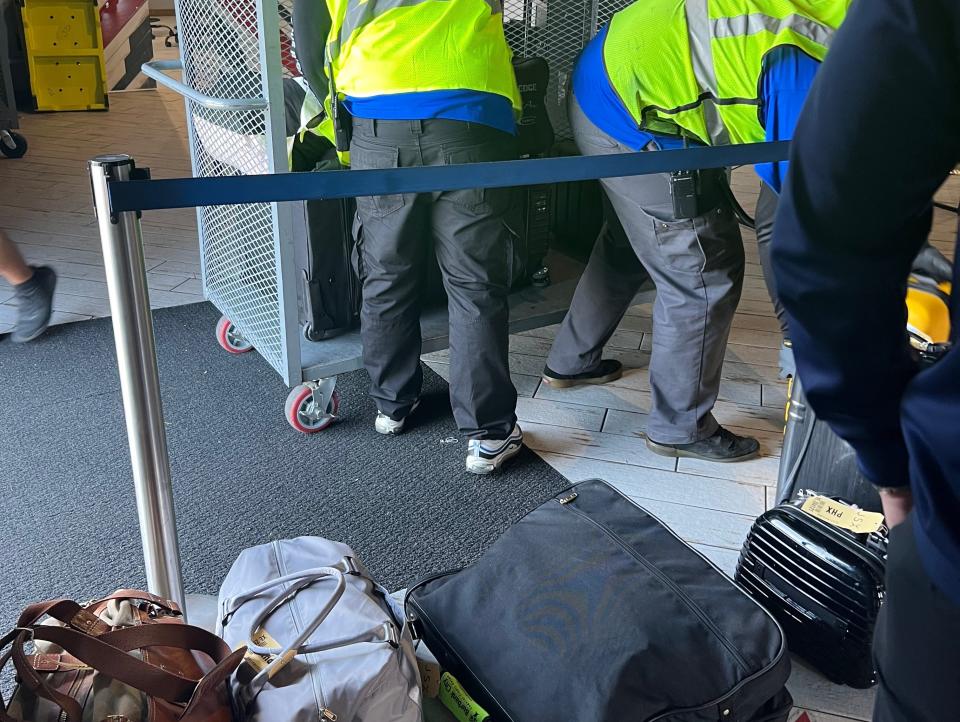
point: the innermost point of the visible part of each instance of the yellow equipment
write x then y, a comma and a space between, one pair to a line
64, 49
928, 312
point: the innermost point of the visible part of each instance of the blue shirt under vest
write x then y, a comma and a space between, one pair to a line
470, 106
787, 76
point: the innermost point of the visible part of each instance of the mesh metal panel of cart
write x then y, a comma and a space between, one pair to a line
556, 30
223, 56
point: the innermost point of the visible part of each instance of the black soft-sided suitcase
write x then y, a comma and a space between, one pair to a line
824, 585
589, 609
816, 459
329, 287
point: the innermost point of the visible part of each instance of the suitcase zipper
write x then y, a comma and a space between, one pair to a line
664, 579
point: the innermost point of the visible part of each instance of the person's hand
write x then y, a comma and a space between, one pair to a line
897, 504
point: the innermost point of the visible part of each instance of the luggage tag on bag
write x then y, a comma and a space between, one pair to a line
260, 662
460, 704
842, 515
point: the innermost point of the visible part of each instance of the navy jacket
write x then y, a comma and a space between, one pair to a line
879, 133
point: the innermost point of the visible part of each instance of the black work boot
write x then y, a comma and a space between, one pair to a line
723, 447
34, 304
606, 371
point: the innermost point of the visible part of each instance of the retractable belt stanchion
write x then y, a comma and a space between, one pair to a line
139, 379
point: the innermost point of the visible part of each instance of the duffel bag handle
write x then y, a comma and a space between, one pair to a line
108, 655
297, 582
81, 618
346, 565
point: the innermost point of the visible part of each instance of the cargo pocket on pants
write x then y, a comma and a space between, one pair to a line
366, 157
479, 201
679, 245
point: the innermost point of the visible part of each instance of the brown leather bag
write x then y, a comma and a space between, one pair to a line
126, 658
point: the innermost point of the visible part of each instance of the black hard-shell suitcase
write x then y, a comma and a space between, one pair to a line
589, 609
824, 584
816, 459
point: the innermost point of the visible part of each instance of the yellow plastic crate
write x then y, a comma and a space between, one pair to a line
65, 54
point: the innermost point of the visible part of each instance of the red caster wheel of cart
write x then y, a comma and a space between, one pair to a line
230, 338
312, 406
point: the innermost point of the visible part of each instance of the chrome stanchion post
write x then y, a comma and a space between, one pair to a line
122, 243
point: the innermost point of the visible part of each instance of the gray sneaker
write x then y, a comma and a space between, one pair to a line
34, 305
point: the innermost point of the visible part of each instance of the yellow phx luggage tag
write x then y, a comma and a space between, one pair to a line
843, 515
260, 662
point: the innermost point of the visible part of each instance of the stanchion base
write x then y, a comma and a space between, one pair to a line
202, 611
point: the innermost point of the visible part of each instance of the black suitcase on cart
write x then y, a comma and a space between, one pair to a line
589, 609
824, 584
329, 286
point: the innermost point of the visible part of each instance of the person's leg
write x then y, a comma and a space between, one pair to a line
391, 246
697, 266
606, 289
475, 252
33, 286
916, 642
12, 266
765, 216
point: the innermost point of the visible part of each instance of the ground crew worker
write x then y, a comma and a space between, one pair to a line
33, 288
427, 83
664, 74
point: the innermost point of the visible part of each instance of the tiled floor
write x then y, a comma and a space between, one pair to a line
591, 432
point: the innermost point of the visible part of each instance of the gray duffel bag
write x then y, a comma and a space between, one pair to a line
325, 641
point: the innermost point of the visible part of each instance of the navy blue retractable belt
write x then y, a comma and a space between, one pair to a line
145, 195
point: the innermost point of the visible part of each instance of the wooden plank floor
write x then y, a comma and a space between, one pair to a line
584, 433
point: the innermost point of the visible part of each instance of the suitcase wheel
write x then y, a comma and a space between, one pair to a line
312, 406
230, 338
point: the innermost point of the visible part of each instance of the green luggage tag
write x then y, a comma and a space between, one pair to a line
456, 699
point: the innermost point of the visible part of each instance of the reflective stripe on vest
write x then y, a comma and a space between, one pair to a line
701, 54
382, 47
700, 66
361, 13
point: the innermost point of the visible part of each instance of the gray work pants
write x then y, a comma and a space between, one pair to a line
765, 216
697, 266
396, 234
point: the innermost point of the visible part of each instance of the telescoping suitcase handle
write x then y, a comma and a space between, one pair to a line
385, 633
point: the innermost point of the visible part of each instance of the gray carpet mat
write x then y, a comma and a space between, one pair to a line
242, 476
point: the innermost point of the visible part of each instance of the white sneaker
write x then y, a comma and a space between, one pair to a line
385, 425
486, 456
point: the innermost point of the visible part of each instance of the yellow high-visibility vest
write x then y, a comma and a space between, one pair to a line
693, 67
384, 47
